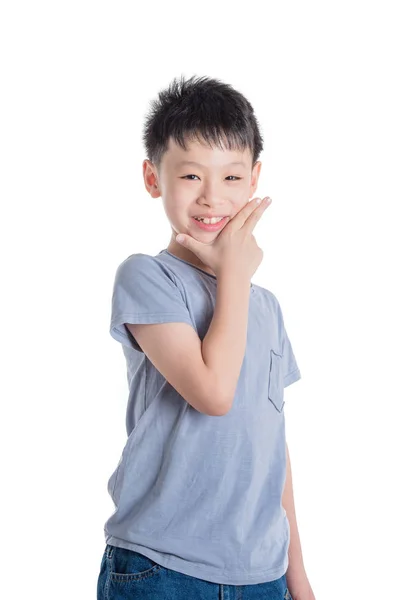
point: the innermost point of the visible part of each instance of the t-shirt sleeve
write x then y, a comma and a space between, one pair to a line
144, 292
291, 372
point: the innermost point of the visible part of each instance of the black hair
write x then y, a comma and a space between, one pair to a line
200, 108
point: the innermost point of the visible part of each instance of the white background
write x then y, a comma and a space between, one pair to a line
76, 79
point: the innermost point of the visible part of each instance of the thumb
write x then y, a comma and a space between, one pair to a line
191, 244
187, 240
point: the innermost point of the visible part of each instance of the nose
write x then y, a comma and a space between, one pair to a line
215, 208
210, 199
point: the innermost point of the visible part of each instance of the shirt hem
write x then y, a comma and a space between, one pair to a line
196, 571
118, 331
292, 377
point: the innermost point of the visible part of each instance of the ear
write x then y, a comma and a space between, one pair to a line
151, 179
254, 178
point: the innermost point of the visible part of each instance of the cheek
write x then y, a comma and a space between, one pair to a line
238, 205
176, 206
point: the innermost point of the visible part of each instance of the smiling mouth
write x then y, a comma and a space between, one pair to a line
209, 221
213, 226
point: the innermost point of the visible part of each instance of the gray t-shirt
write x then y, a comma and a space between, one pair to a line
201, 494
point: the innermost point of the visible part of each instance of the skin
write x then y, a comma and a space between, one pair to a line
195, 190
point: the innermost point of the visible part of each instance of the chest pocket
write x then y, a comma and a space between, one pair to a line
275, 386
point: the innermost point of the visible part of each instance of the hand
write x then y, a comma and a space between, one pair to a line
299, 587
235, 247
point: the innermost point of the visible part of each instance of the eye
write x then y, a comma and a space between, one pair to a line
235, 178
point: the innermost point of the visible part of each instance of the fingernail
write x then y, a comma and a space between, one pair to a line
258, 201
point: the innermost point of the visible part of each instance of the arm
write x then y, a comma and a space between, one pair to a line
296, 576
224, 345
204, 373
295, 554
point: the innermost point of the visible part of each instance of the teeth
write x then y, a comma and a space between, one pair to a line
209, 221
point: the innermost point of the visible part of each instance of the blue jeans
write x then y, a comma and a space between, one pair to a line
128, 575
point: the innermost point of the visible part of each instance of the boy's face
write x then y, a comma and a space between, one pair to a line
213, 186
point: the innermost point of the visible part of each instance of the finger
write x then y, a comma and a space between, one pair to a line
240, 218
255, 216
190, 243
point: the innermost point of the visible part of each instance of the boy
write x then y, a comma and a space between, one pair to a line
200, 485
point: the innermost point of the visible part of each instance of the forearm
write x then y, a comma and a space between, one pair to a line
296, 564
224, 345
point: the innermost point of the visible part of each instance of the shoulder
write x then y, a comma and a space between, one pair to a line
146, 266
268, 298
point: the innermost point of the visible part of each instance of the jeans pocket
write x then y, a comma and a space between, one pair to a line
275, 385
128, 565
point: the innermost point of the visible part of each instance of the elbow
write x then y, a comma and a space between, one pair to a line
223, 410
215, 402
214, 408
221, 406
212, 405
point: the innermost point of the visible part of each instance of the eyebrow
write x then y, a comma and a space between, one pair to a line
192, 162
